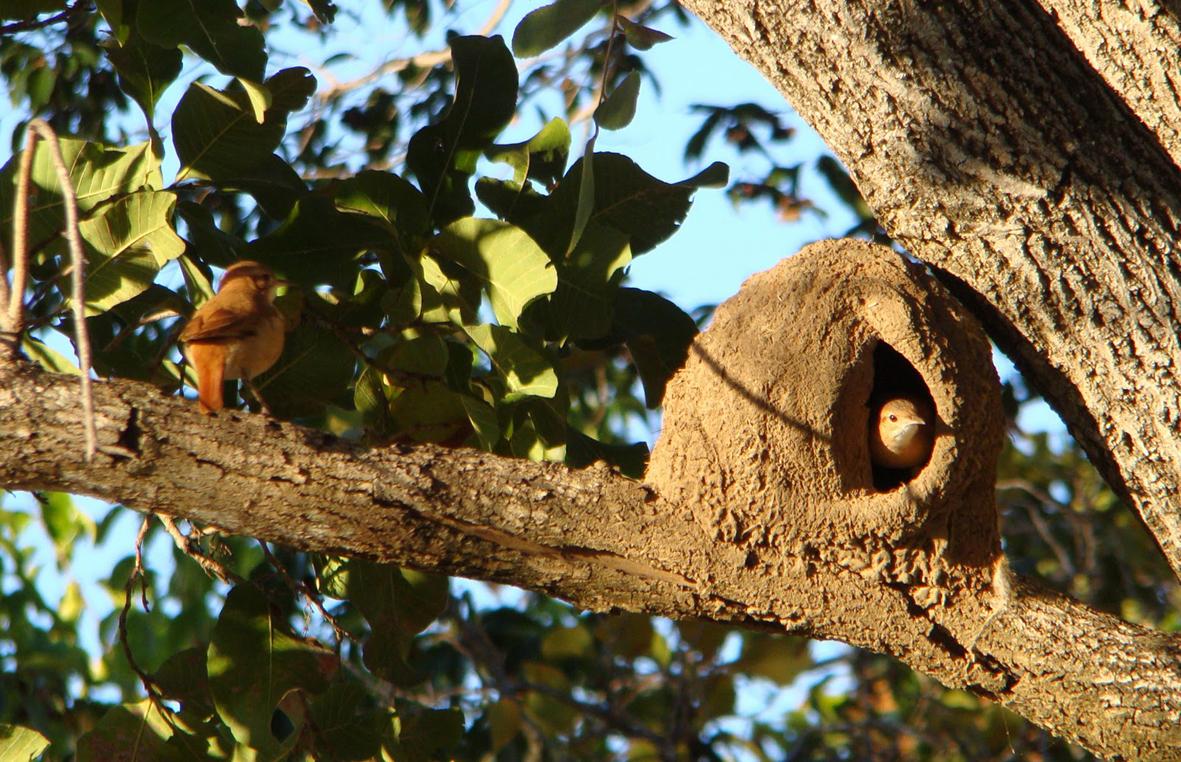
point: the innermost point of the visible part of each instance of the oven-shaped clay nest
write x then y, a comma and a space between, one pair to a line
766, 428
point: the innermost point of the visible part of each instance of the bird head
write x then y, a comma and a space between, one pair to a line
900, 419
252, 277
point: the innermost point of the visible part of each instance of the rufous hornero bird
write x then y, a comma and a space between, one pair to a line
238, 333
901, 433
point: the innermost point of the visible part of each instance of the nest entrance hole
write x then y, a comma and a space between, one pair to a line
894, 376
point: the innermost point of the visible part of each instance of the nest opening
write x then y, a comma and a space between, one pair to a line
893, 378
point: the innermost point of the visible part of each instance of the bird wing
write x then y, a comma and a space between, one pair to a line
219, 324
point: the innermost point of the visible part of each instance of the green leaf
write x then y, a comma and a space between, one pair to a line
443, 155
345, 728
539, 429
547, 26
145, 70
64, 524
127, 243
216, 133
585, 198
657, 333
254, 662
482, 416
318, 244
112, 11
573, 642
211, 29
97, 174
21, 744
582, 305
510, 266
554, 716
370, 401
624, 197
504, 722
425, 732
541, 157
420, 355
316, 368
47, 357
275, 185
258, 96
398, 604
182, 677
129, 732
428, 411
843, 185
639, 36
619, 108
525, 370
398, 205
777, 658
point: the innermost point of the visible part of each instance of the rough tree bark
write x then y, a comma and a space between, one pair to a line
992, 151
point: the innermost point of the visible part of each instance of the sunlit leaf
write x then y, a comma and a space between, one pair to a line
541, 157
127, 243
545, 27
583, 303
509, 264
97, 174
253, 662
128, 733
526, 371
21, 744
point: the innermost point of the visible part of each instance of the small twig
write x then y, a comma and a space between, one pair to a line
39, 128
137, 573
186, 545
20, 230
4, 303
30, 25
302, 589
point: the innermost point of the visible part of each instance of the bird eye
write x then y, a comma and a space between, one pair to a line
893, 418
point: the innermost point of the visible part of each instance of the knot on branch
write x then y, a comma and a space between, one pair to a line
767, 428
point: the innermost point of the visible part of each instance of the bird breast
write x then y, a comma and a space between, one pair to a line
256, 353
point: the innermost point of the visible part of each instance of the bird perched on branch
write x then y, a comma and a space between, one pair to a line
238, 333
901, 433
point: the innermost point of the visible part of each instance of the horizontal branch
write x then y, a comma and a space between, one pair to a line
458, 511
590, 537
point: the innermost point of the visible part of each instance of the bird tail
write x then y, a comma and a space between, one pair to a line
209, 362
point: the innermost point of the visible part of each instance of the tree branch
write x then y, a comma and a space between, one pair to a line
1136, 47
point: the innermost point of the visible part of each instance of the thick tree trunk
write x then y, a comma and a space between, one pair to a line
991, 150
